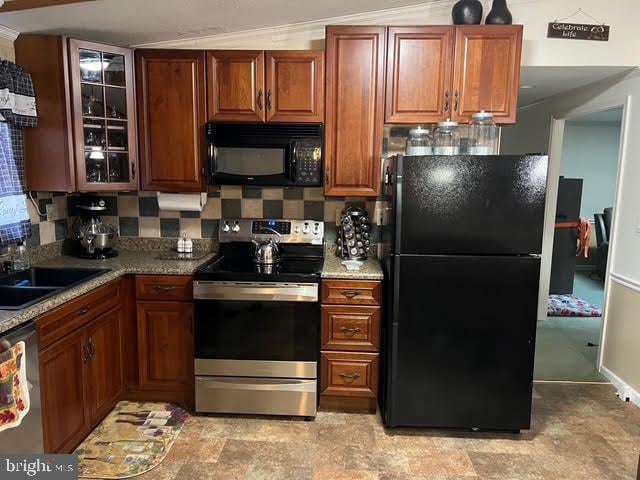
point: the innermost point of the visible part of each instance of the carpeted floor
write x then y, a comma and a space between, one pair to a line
579, 432
562, 353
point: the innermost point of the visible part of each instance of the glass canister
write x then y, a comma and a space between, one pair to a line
419, 142
483, 134
446, 138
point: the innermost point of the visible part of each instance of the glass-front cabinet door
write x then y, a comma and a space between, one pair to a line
103, 116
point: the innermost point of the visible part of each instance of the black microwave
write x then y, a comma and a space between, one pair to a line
265, 154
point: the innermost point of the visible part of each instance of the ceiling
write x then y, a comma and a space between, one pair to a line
551, 81
134, 22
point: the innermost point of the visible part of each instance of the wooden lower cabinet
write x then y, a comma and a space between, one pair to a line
106, 379
81, 377
350, 349
165, 350
65, 413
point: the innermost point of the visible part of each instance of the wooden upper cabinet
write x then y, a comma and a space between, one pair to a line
295, 86
171, 106
86, 136
104, 120
235, 85
487, 72
355, 86
419, 73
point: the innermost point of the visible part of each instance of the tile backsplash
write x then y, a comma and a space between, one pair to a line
136, 214
53, 226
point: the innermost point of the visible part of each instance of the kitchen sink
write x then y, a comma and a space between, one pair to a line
17, 298
20, 290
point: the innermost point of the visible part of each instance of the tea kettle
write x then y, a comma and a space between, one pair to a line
267, 252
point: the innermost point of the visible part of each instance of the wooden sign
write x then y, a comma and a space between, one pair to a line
578, 31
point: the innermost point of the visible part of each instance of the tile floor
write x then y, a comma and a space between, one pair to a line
578, 432
562, 353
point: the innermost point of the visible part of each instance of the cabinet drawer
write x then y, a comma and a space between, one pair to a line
164, 288
351, 328
349, 374
78, 312
351, 292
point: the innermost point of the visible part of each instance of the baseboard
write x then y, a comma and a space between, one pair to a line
624, 391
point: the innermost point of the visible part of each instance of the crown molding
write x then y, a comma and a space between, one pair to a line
418, 14
8, 34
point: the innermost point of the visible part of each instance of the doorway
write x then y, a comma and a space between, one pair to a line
568, 338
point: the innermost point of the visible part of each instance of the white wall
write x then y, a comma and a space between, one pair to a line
590, 151
538, 50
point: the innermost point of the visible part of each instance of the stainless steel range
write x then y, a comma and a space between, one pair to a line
257, 319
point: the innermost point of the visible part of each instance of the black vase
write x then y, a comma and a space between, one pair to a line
499, 14
467, 12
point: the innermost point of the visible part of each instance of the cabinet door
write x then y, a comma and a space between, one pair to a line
236, 85
295, 86
104, 117
419, 72
487, 72
171, 106
354, 110
104, 340
63, 373
165, 345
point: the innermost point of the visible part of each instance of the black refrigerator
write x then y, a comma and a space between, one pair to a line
462, 243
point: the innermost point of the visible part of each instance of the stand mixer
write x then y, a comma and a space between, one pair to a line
96, 238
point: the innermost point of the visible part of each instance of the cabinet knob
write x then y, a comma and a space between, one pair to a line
350, 376
350, 293
164, 288
260, 99
350, 330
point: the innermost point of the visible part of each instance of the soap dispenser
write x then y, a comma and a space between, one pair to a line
181, 243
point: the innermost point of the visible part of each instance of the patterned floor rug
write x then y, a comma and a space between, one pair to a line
133, 439
571, 306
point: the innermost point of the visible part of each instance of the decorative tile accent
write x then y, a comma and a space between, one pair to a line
148, 206
137, 214
231, 208
129, 227
170, 227
272, 209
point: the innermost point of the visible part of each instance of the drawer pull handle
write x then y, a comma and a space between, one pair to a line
84, 311
350, 377
350, 330
350, 293
164, 288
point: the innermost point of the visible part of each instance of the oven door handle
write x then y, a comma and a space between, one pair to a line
255, 384
259, 292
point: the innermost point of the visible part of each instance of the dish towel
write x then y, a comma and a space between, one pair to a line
17, 110
14, 389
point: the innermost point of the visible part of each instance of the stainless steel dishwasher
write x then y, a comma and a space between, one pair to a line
26, 437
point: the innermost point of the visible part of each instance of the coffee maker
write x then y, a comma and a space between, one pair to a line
94, 239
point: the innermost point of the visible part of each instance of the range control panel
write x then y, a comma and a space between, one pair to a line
283, 231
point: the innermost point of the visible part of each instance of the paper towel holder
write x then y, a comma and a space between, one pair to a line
188, 202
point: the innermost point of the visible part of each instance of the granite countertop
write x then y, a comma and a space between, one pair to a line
148, 262
333, 268
128, 262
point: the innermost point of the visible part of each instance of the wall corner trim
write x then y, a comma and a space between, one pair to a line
625, 392
625, 281
8, 34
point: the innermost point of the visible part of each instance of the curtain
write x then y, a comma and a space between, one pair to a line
17, 111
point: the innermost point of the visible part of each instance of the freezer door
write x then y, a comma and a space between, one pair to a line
470, 205
462, 342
